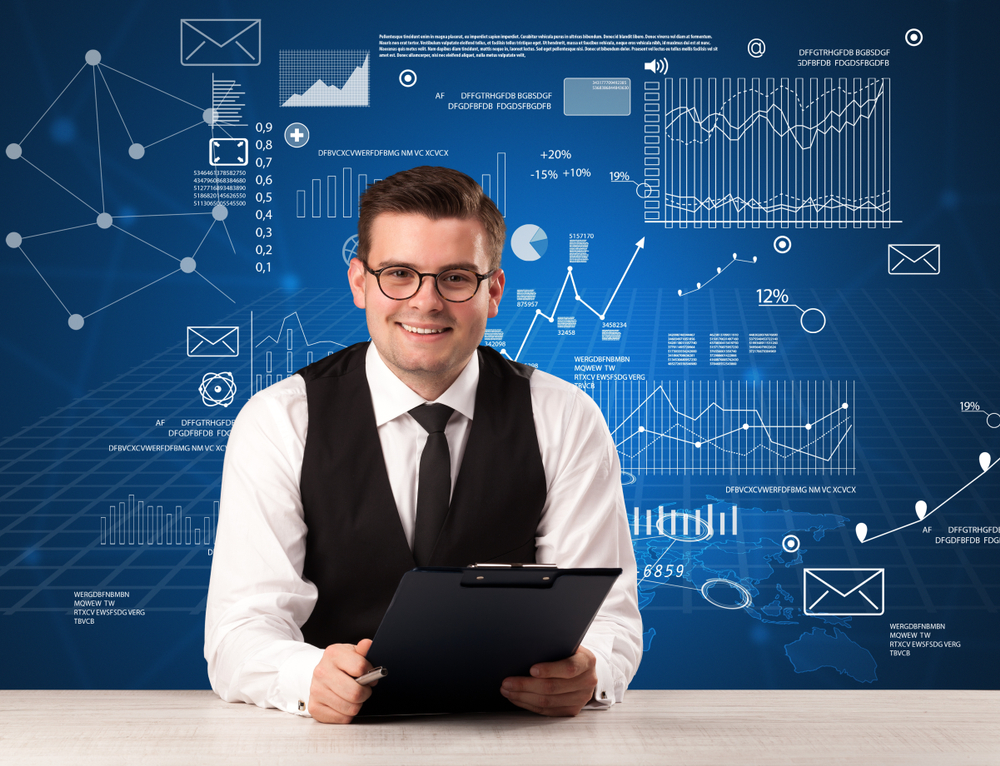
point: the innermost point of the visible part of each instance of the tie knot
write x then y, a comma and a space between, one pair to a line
433, 417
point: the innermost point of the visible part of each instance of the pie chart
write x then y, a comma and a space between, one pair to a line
529, 242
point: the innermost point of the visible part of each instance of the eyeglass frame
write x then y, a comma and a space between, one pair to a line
378, 280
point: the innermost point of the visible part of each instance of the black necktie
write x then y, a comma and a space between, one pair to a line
434, 480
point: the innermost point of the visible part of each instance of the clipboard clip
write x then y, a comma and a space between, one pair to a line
510, 576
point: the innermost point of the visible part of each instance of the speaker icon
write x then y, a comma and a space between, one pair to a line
657, 66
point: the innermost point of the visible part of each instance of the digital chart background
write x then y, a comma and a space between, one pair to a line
761, 237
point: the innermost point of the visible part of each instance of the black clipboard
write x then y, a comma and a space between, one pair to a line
451, 634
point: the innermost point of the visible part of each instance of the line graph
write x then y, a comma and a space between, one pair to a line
777, 153
708, 427
986, 462
551, 317
269, 369
718, 273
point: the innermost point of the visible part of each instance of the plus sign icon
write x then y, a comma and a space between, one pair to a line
297, 135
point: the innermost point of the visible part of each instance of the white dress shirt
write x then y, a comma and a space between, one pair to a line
258, 599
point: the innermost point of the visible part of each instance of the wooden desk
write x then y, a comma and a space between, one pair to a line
797, 728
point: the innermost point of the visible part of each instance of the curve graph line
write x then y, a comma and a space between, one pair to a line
718, 273
754, 427
862, 529
576, 293
718, 122
746, 427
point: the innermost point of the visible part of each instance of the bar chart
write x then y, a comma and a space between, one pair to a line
141, 522
336, 195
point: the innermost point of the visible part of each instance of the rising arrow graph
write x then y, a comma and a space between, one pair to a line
569, 280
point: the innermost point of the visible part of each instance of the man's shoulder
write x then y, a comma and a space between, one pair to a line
274, 410
278, 395
551, 394
547, 381
336, 364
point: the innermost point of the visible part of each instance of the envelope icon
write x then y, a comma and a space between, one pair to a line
204, 342
843, 592
920, 260
220, 42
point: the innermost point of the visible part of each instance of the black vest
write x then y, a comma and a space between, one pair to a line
356, 552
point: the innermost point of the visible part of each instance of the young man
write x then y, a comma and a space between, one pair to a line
325, 499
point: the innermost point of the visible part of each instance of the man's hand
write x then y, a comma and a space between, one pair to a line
555, 688
334, 694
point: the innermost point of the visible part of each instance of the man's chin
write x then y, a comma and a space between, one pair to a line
417, 361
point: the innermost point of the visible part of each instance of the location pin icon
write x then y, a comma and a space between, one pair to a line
984, 461
862, 531
921, 508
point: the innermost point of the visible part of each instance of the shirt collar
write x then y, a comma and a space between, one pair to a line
391, 397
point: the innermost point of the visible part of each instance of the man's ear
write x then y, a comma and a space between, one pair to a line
356, 278
496, 283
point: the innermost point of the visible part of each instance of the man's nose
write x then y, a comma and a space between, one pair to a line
427, 296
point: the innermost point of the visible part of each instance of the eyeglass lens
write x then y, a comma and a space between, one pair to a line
453, 285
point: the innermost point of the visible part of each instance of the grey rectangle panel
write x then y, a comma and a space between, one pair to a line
597, 96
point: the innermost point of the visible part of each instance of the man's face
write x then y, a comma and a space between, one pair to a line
425, 340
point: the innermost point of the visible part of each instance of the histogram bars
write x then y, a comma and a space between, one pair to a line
143, 523
273, 369
227, 104
774, 153
309, 202
576, 293
684, 525
708, 427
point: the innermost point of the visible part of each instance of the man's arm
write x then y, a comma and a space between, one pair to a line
257, 598
583, 525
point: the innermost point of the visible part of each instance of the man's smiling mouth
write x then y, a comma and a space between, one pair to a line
422, 330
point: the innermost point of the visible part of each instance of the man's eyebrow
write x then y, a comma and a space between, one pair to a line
467, 265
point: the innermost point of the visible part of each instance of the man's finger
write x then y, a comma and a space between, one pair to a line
568, 668
579, 662
349, 658
550, 704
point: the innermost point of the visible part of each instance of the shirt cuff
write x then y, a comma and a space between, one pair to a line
604, 693
294, 680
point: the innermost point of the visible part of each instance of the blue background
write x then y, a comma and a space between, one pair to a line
908, 349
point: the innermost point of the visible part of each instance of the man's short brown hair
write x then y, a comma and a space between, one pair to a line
435, 193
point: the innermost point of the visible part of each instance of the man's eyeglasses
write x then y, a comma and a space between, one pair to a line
454, 285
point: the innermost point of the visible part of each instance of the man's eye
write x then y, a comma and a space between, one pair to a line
399, 274
457, 278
